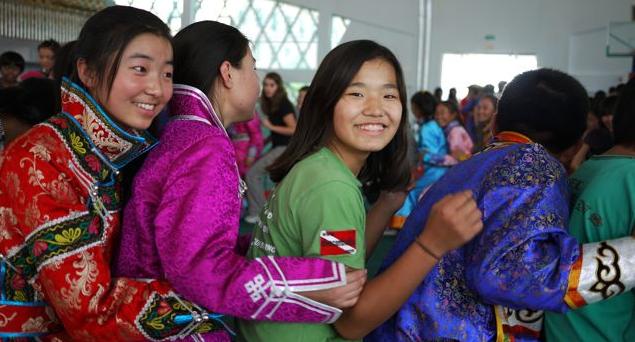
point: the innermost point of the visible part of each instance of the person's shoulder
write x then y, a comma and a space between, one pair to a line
432, 125
322, 172
186, 133
194, 140
286, 107
526, 165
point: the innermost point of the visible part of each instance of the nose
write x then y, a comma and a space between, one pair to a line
154, 86
372, 106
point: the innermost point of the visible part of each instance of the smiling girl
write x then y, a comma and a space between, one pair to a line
60, 194
459, 142
351, 132
182, 220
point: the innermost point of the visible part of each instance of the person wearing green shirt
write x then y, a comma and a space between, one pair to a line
603, 198
352, 134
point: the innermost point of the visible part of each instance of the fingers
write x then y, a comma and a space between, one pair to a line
455, 201
349, 294
355, 275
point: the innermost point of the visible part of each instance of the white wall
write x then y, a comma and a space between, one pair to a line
541, 27
390, 23
26, 48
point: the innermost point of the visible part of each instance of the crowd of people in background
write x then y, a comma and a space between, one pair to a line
466, 124
478, 189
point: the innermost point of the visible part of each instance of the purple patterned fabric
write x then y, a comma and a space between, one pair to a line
181, 224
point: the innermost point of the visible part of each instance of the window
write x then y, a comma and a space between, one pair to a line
284, 36
462, 70
339, 25
169, 11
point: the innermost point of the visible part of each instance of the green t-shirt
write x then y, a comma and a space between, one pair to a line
319, 202
603, 191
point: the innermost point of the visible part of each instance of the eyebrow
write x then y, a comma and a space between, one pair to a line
363, 85
144, 56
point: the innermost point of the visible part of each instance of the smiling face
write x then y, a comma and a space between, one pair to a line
143, 83
443, 115
367, 115
485, 110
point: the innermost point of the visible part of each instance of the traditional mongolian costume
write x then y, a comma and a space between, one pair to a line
181, 225
59, 219
496, 286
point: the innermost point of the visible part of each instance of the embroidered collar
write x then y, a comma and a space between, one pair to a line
118, 145
507, 138
190, 104
512, 137
190, 101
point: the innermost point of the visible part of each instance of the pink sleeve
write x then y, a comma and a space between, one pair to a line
256, 141
459, 140
196, 237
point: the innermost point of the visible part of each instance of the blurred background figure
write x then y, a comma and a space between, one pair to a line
46, 53
11, 66
31, 102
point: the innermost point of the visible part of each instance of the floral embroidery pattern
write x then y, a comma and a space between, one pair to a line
157, 321
49, 242
77, 144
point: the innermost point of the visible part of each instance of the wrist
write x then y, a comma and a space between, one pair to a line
434, 246
425, 250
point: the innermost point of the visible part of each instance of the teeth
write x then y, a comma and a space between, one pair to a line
372, 127
145, 106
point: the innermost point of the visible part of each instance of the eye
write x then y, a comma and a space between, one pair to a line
391, 96
355, 94
167, 75
139, 68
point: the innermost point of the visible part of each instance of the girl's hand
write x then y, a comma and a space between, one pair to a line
343, 296
453, 221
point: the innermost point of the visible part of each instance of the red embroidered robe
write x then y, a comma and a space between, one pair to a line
59, 218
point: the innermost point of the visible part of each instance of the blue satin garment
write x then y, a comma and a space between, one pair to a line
434, 147
521, 260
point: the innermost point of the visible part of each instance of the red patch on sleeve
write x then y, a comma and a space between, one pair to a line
338, 242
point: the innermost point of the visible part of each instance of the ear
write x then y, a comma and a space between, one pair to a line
85, 74
226, 74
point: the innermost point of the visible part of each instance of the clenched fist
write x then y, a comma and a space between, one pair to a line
453, 221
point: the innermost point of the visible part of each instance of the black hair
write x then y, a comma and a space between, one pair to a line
619, 88
201, 48
10, 58
387, 169
452, 97
64, 62
104, 37
271, 105
49, 44
607, 106
547, 105
438, 92
32, 101
304, 88
624, 117
425, 102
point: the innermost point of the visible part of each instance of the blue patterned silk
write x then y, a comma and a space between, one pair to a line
521, 260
